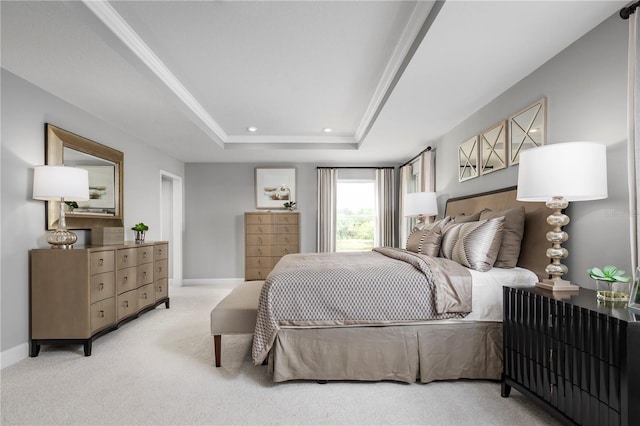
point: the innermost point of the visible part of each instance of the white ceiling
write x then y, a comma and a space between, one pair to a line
190, 77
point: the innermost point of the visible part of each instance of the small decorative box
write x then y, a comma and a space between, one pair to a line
107, 236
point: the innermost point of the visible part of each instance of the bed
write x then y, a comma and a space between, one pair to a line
460, 338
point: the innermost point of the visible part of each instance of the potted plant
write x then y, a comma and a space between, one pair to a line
611, 283
290, 205
140, 229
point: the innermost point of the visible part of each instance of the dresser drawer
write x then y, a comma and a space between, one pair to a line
160, 269
145, 274
259, 239
258, 251
279, 251
285, 229
101, 261
259, 262
161, 288
286, 219
257, 273
259, 229
257, 219
146, 296
103, 314
126, 258
145, 254
161, 251
102, 286
286, 240
127, 279
127, 304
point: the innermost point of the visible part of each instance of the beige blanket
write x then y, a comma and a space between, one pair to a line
384, 286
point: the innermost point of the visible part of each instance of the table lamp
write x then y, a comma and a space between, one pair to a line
60, 183
421, 205
557, 174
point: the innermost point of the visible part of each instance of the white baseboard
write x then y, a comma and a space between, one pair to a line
221, 282
13, 355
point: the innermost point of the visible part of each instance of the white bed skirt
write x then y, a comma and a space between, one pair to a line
442, 350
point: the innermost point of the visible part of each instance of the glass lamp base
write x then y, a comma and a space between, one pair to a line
62, 239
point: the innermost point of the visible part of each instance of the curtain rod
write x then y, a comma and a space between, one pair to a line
358, 167
626, 12
427, 149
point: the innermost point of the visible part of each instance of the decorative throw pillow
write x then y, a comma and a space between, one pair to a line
473, 244
438, 224
512, 233
462, 218
425, 242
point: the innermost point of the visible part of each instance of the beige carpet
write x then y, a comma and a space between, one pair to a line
158, 369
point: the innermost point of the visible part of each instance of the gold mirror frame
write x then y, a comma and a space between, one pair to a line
493, 148
527, 129
56, 140
468, 159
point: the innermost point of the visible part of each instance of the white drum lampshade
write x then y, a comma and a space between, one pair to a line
420, 204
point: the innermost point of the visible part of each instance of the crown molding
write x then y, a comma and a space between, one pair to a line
116, 23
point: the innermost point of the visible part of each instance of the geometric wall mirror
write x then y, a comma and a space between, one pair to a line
468, 159
493, 148
527, 129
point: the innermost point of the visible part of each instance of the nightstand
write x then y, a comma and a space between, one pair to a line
579, 357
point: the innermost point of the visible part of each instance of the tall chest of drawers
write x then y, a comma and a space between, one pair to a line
578, 356
80, 294
268, 237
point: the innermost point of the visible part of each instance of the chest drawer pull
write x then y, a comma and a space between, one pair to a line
125, 304
125, 278
101, 262
100, 314
100, 286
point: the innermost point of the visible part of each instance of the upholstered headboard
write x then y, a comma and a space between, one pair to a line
534, 242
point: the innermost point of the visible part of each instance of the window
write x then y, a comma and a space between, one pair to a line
355, 214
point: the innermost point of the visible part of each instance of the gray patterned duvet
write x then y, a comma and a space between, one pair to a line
384, 286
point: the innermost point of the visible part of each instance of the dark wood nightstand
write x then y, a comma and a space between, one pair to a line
578, 356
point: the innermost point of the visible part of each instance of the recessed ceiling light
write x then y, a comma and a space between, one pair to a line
252, 129
327, 130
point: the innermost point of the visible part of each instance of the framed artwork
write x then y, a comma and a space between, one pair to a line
274, 187
493, 148
527, 129
468, 159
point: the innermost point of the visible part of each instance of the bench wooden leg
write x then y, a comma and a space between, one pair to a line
217, 344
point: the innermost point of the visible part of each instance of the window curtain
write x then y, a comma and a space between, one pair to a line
385, 218
633, 138
403, 226
429, 171
327, 188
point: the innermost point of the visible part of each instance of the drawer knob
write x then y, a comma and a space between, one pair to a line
125, 303
159, 288
124, 279
260, 252
100, 262
144, 273
100, 314
100, 286
144, 254
126, 257
260, 240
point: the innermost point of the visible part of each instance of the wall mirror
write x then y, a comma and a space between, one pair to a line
105, 167
468, 159
493, 148
527, 129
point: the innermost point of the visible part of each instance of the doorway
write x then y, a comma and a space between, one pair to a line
171, 214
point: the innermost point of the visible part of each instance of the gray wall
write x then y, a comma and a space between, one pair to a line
25, 109
217, 195
585, 87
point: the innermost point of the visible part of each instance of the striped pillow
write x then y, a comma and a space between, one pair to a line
473, 244
425, 242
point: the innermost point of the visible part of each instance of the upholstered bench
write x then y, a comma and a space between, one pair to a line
235, 314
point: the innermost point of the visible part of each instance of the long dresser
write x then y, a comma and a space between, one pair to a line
268, 237
577, 356
80, 294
